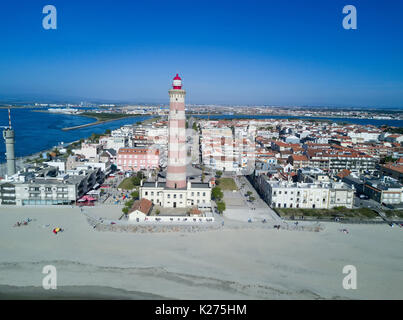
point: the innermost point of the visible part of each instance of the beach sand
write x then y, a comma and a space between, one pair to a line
242, 262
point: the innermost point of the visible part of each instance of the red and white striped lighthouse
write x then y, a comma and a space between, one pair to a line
176, 172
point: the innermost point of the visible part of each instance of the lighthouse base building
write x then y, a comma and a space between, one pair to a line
176, 191
193, 195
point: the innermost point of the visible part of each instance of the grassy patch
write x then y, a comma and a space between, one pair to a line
341, 212
127, 184
106, 116
394, 213
227, 184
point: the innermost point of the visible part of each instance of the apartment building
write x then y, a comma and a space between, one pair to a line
46, 186
135, 159
394, 170
218, 149
319, 195
385, 190
333, 161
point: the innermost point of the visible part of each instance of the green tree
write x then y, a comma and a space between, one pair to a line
221, 206
217, 193
249, 193
136, 180
129, 203
386, 159
125, 210
157, 212
252, 199
218, 174
194, 127
108, 131
135, 195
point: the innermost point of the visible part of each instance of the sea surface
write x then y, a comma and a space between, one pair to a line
38, 131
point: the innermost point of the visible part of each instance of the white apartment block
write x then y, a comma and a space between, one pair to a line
114, 142
227, 151
324, 195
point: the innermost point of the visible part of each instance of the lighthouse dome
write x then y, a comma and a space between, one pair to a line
177, 82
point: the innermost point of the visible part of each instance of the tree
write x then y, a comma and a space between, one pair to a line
136, 181
129, 204
218, 174
194, 127
108, 131
249, 193
386, 159
157, 212
135, 195
221, 206
217, 194
203, 176
252, 199
125, 210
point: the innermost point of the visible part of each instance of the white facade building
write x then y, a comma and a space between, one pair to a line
326, 195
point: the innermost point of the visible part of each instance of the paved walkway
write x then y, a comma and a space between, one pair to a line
239, 208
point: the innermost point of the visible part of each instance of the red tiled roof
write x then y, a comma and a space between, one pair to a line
143, 205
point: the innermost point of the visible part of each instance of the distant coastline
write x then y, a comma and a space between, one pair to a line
96, 122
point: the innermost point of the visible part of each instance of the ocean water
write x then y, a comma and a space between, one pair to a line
37, 131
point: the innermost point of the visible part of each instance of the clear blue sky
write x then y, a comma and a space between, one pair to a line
235, 52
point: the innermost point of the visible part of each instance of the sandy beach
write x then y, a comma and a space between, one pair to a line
241, 261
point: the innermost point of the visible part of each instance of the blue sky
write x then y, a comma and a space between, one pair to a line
231, 52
